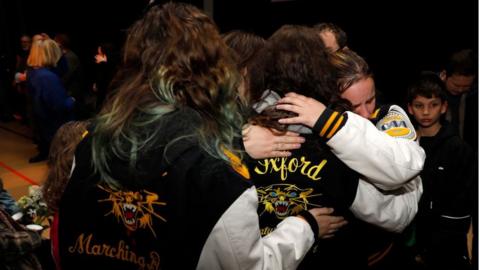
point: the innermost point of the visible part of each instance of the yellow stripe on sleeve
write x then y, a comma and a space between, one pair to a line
329, 122
335, 128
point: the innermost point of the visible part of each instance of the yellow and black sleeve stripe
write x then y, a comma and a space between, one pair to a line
329, 123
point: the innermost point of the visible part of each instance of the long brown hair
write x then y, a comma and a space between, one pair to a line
245, 48
245, 45
60, 159
295, 60
173, 58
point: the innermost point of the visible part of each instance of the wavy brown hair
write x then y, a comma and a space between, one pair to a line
295, 60
245, 48
173, 58
60, 159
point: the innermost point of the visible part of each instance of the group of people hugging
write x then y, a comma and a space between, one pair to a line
235, 152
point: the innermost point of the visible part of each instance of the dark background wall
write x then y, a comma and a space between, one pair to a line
397, 38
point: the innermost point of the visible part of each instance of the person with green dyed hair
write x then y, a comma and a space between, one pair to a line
159, 174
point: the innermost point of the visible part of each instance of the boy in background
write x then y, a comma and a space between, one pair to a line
446, 207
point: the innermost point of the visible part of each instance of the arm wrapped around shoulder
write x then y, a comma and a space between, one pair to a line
235, 241
387, 154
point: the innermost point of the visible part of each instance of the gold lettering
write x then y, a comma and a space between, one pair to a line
274, 164
293, 165
280, 165
122, 252
106, 250
264, 164
314, 170
112, 251
305, 165
96, 250
78, 245
87, 246
154, 261
283, 169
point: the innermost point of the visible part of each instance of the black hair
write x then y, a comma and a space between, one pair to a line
428, 85
463, 62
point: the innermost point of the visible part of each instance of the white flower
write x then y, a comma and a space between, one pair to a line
33, 204
32, 212
35, 192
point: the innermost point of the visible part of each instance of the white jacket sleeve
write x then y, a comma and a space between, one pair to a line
235, 241
377, 153
392, 212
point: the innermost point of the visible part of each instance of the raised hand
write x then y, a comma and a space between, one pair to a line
308, 109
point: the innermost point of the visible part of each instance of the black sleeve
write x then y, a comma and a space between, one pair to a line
458, 197
329, 123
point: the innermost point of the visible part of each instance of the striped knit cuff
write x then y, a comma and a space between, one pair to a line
329, 123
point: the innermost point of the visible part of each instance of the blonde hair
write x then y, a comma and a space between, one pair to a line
350, 68
44, 53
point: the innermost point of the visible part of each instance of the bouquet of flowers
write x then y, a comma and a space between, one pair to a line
33, 206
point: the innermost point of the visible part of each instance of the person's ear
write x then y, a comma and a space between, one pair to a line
409, 107
443, 75
444, 108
